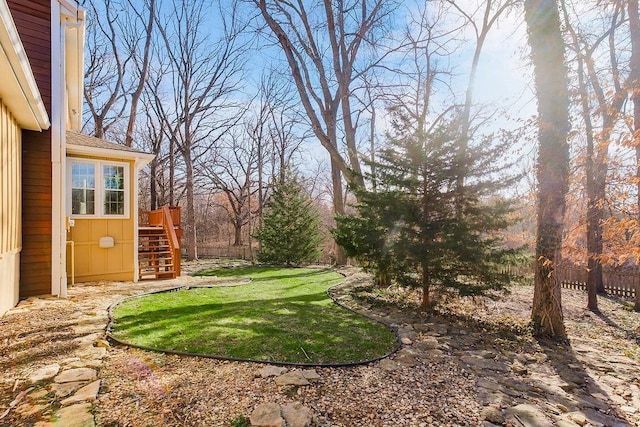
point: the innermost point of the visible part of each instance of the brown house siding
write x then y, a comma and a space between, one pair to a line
33, 21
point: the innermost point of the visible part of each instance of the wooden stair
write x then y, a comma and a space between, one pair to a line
155, 259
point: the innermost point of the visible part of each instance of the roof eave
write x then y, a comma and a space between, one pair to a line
19, 90
83, 150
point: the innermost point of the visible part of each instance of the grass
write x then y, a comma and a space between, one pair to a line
283, 315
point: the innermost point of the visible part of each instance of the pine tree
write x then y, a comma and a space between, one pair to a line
290, 232
419, 229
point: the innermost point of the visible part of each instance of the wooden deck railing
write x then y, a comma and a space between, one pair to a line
169, 219
174, 243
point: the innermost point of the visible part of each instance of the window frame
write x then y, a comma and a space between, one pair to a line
100, 189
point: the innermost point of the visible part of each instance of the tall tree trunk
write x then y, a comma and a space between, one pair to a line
338, 207
191, 211
153, 185
547, 53
634, 29
237, 232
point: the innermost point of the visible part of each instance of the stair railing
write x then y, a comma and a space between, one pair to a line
174, 243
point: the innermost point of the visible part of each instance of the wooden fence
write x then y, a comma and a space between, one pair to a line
620, 282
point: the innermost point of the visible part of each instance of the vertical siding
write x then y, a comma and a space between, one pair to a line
33, 22
10, 207
95, 263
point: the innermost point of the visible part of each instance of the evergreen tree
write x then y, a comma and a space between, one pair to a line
419, 229
290, 231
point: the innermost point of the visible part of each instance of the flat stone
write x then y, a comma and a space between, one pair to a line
88, 392
37, 395
77, 415
577, 417
310, 374
86, 364
629, 409
65, 389
266, 415
389, 365
44, 374
91, 352
86, 340
77, 374
406, 341
297, 415
88, 329
292, 378
271, 371
564, 422
29, 410
480, 363
427, 343
529, 415
492, 414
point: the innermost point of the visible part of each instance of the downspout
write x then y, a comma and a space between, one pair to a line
58, 150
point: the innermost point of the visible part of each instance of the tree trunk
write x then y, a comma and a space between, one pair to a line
634, 29
426, 297
338, 208
191, 211
547, 52
153, 185
237, 232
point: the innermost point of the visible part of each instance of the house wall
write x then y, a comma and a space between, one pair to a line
95, 263
33, 22
10, 208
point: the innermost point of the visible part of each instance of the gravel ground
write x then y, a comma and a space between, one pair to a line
152, 389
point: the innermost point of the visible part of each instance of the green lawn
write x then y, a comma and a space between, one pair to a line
283, 315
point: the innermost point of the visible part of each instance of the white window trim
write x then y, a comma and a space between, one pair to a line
100, 190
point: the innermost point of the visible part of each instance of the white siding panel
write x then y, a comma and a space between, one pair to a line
10, 208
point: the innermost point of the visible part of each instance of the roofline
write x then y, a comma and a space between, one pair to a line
34, 116
83, 150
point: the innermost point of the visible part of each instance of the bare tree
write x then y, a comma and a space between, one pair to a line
105, 66
202, 74
141, 59
547, 54
634, 77
324, 44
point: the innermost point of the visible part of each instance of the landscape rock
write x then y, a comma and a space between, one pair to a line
406, 341
272, 371
76, 374
266, 415
577, 417
292, 378
297, 415
389, 365
77, 415
44, 374
65, 389
88, 392
481, 363
310, 374
529, 415
492, 414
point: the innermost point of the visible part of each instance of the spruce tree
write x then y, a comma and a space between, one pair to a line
290, 232
420, 229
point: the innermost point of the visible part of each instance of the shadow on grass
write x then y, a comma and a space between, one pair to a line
305, 328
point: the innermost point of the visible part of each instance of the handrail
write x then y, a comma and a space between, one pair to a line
174, 243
